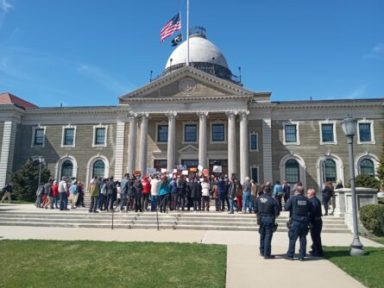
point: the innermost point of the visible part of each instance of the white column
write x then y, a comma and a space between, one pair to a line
267, 150
7, 151
203, 139
143, 143
119, 150
232, 165
132, 143
171, 161
244, 149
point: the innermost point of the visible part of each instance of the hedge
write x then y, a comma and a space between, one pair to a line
372, 217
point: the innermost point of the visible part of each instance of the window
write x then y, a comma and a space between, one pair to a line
292, 171
100, 135
330, 170
328, 133
190, 133
162, 133
255, 174
160, 163
365, 132
290, 134
253, 142
218, 132
38, 137
67, 169
98, 169
68, 136
367, 167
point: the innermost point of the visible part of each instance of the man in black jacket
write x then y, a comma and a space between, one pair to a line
300, 211
267, 209
316, 224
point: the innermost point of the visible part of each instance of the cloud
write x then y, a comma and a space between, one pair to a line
358, 92
377, 52
104, 79
5, 6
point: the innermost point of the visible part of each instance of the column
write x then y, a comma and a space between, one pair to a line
132, 143
232, 165
7, 151
203, 139
244, 149
171, 147
119, 150
143, 144
267, 150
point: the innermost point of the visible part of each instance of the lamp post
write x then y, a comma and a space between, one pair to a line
349, 128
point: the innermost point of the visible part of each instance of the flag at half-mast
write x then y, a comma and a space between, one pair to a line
173, 25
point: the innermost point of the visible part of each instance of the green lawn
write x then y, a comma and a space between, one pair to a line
35, 263
368, 269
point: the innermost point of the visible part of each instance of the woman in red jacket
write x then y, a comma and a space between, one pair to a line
55, 195
146, 192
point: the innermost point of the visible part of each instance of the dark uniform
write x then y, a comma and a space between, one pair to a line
267, 209
300, 211
316, 226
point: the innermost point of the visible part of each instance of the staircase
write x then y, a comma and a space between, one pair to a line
80, 218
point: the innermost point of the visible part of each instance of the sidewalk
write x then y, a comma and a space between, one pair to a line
245, 268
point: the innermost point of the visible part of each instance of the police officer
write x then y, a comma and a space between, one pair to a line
299, 209
267, 209
316, 224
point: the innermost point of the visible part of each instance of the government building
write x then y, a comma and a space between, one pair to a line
196, 115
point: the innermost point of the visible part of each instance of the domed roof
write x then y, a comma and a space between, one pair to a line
200, 50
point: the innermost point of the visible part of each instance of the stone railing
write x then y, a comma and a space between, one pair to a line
343, 199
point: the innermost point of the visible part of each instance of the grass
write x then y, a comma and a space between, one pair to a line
367, 269
36, 263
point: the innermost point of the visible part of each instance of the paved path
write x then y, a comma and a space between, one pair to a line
245, 268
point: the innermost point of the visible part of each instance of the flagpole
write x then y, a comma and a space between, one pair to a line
187, 32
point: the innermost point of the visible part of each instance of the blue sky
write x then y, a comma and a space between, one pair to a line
83, 52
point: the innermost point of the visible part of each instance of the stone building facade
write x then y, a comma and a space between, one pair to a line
194, 115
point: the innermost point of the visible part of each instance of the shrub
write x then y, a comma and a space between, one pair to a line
372, 217
25, 180
367, 181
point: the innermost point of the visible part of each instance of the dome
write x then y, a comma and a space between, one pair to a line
201, 50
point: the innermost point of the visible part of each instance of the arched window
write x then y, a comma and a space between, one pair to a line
330, 170
98, 168
67, 168
367, 167
292, 171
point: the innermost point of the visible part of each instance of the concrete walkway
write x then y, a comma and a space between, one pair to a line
245, 268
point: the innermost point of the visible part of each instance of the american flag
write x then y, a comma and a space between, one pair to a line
173, 25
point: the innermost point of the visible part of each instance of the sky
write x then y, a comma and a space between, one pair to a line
90, 52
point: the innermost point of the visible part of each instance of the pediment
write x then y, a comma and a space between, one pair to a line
186, 83
189, 149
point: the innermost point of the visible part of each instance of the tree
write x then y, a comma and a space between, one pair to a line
380, 171
25, 180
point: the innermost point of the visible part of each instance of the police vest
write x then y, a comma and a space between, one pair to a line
265, 206
300, 207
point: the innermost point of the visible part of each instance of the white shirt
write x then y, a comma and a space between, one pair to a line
205, 188
155, 187
63, 187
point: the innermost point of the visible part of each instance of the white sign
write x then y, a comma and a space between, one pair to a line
151, 171
185, 172
217, 169
200, 167
163, 170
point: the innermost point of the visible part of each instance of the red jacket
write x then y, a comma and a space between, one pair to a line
146, 186
55, 190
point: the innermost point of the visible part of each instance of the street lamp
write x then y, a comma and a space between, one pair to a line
349, 129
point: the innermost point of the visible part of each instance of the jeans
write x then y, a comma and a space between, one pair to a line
299, 229
63, 200
247, 201
266, 232
93, 206
231, 208
110, 200
154, 199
